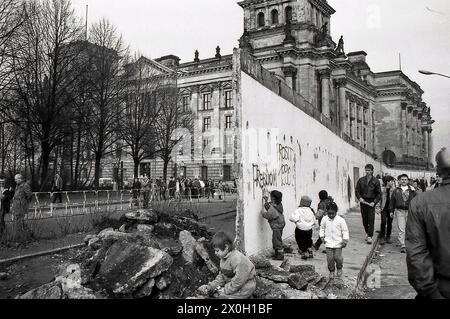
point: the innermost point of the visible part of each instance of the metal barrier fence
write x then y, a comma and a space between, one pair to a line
59, 204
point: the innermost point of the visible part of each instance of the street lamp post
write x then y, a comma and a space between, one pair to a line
433, 73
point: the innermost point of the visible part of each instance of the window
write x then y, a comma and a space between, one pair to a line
186, 101
228, 121
261, 19
206, 124
228, 99
288, 12
204, 173
229, 144
226, 173
205, 143
207, 101
274, 16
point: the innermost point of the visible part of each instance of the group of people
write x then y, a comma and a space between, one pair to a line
176, 189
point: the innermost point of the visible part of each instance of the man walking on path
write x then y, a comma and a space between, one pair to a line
399, 205
386, 217
428, 237
368, 192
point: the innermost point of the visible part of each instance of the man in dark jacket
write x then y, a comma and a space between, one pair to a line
368, 192
399, 205
428, 237
386, 217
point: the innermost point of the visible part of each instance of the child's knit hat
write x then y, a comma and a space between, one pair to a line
305, 201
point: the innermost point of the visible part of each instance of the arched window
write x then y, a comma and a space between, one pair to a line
274, 16
288, 14
261, 19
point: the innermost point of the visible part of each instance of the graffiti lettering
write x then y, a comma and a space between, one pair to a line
286, 153
264, 179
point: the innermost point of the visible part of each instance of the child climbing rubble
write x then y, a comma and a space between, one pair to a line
237, 277
273, 212
335, 235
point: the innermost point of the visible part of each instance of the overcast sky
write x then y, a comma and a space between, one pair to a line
417, 29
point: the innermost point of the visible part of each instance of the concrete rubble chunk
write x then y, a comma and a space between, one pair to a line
145, 228
302, 268
267, 289
95, 243
127, 266
286, 264
162, 283
143, 216
146, 289
4, 276
297, 281
123, 228
105, 231
88, 238
260, 262
48, 291
189, 243
203, 253
273, 274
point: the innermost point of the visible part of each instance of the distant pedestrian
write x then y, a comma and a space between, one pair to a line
57, 188
368, 192
386, 217
136, 191
146, 188
6, 194
304, 220
335, 235
399, 205
273, 212
321, 212
20, 203
428, 237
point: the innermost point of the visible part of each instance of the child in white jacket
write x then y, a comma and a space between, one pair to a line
335, 235
304, 219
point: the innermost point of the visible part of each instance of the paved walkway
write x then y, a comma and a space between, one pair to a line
354, 254
391, 263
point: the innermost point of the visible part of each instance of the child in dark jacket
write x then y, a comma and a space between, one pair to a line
273, 212
322, 212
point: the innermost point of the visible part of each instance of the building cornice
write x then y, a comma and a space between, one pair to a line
323, 6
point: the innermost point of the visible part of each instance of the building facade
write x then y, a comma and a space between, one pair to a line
381, 113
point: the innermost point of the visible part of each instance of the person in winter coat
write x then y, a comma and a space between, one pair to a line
304, 220
399, 205
20, 203
321, 212
428, 237
334, 233
237, 277
273, 212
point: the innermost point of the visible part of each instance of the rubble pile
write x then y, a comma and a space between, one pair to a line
152, 255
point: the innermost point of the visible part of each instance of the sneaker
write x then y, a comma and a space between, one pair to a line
369, 240
331, 275
324, 251
403, 250
339, 273
316, 247
310, 253
304, 256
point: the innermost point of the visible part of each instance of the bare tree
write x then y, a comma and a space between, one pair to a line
43, 57
171, 117
105, 89
140, 112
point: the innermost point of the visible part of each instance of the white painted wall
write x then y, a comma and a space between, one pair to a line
313, 160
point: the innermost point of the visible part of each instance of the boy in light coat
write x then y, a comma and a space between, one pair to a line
334, 233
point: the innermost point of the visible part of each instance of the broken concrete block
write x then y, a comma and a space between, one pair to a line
143, 216
48, 291
145, 228
162, 283
286, 264
4, 275
123, 228
260, 262
302, 268
88, 238
95, 243
104, 231
127, 266
203, 253
273, 274
298, 282
189, 243
146, 289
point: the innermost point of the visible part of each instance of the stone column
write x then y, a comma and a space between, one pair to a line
325, 79
425, 143
404, 121
290, 75
342, 104
430, 147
